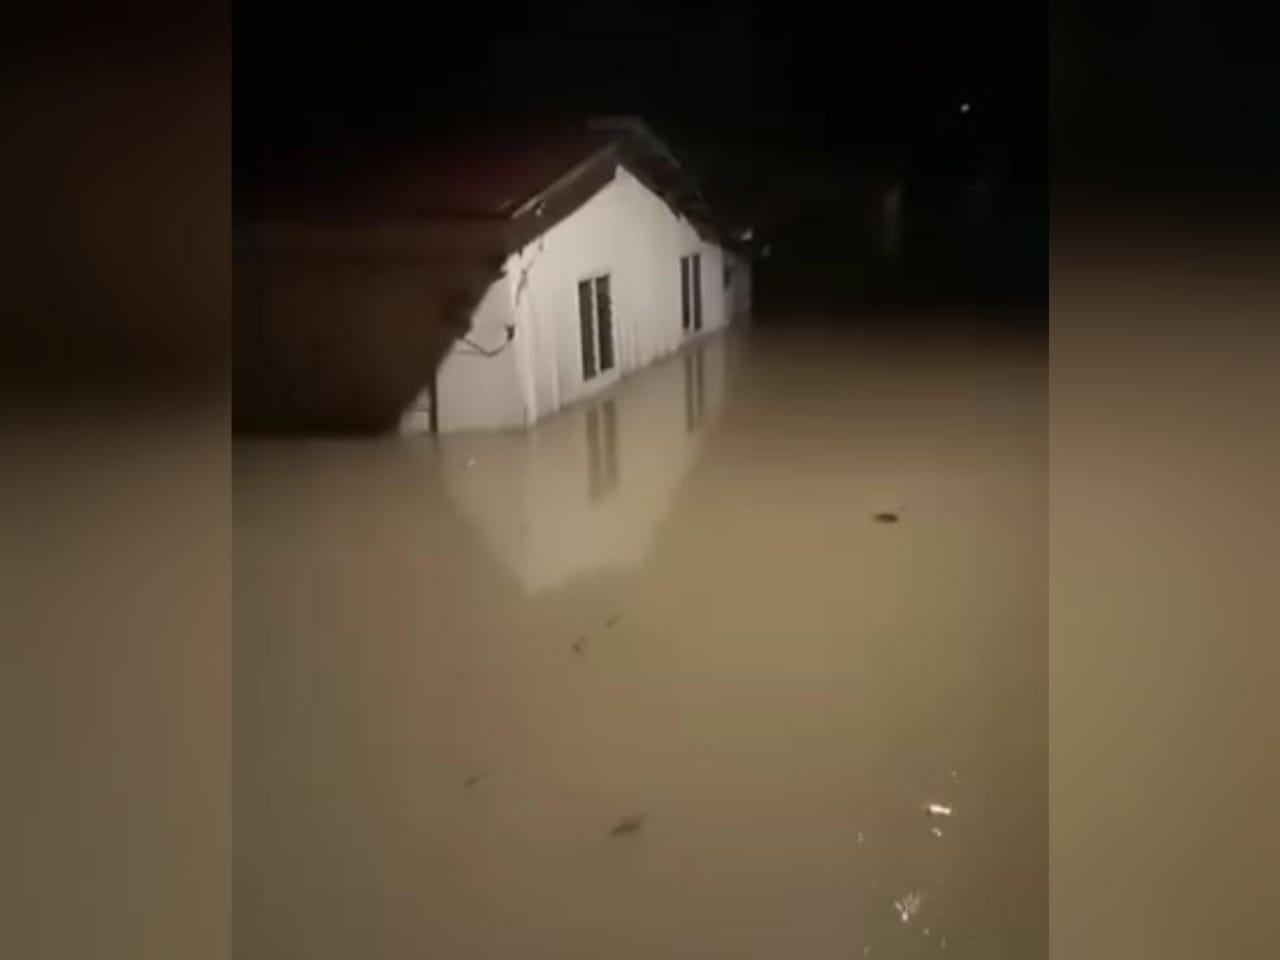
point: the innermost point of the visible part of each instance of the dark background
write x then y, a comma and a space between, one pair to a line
796, 118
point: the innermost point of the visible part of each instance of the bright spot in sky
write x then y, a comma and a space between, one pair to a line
964, 107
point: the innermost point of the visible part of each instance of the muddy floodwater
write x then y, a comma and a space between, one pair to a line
745, 658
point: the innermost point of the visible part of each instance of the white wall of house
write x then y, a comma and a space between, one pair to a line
625, 231
738, 288
478, 392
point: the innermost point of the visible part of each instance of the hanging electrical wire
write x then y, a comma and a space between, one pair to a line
478, 350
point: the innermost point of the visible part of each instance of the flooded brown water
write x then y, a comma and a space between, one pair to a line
651, 680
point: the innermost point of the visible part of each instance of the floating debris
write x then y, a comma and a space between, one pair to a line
955, 778
937, 810
885, 516
580, 645
475, 778
925, 931
866, 951
936, 831
907, 907
861, 838
942, 944
471, 462
611, 621
628, 825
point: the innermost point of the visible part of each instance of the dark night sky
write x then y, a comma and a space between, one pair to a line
735, 85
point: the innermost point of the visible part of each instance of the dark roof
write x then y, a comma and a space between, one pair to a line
507, 176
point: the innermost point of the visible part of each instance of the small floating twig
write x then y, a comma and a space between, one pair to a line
628, 825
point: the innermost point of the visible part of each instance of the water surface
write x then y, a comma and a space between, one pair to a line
650, 680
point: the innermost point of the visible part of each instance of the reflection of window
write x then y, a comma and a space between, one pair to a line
694, 390
691, 292
602, 449
595, 326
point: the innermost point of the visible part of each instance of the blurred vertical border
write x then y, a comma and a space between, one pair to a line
114, 495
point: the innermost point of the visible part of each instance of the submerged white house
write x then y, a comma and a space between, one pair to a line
609, 263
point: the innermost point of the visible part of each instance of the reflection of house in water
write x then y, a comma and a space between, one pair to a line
695, 389
602, 448
588, 490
